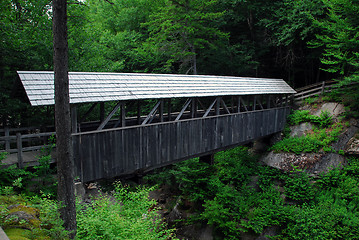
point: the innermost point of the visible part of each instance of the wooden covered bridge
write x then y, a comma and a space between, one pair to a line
190, 116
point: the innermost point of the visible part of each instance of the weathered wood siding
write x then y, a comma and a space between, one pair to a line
114, 152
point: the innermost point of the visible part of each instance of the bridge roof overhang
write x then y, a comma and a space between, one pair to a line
87, 87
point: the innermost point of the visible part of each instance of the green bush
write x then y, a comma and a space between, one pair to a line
319, 139
226, 210
234, 166
322, 208
331, 179
298, 116
329, 219
299, 187
130, 215
310, 100
303, 144
323, 120
12, 176
193, 178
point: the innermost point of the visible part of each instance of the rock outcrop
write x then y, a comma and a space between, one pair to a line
316, 163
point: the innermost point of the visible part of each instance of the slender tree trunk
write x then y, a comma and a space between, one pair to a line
194, 60
65, 168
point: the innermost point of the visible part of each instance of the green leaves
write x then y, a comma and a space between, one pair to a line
339, 36
127, 216
319, 139
181, 29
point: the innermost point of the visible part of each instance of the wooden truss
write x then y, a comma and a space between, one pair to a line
162, 111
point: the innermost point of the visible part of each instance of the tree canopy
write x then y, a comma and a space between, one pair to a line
302, 42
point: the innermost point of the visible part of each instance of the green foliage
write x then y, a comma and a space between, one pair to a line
44, 173
180, 29
47, 224
129, 216
193, 179
26, 44
267, 214
323, 120
303, 144
314, 141
299, 187
234, 166
338, 36
310, 100
49, 216
323, 221
298, 116
267, 175
227, 208
38, 180
12, 176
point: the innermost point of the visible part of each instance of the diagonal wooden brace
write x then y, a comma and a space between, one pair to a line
188, 102
114, 110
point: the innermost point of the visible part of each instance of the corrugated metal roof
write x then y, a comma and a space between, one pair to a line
101, 87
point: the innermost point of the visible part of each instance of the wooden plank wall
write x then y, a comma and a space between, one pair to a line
114, 152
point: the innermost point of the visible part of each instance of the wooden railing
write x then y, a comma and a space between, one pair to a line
313, 90
21, 143
120, 151
22, 140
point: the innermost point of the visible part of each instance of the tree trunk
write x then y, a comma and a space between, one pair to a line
65, 168
194, 60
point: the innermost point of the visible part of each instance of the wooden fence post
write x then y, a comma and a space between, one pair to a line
323, 87
7, 141
19, 150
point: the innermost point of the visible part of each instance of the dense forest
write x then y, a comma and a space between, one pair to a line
302, 42
237, 197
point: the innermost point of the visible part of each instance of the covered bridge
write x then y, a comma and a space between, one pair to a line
189, 116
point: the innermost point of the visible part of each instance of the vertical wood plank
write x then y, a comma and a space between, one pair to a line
138, 112
161, 109
169, 109
123, 114
19, 150
7, 141
73, 118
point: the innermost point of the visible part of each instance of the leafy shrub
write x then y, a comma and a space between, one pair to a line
298, 116
193, 177
312, 142
310, 100
227, 208
267, 176
13, 176
323, 120
298, 187
297, 145
50, 221
330, 218
234, 166
352, 168
129, 216
331, 179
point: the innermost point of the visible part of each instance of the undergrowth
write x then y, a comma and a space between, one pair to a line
248, 197
125, 215
324, 133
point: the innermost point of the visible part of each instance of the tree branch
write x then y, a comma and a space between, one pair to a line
109, 2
